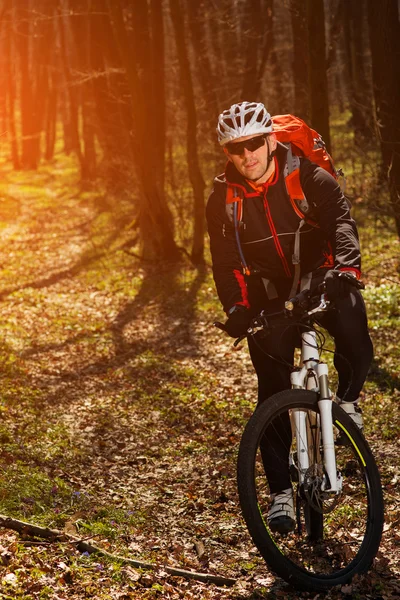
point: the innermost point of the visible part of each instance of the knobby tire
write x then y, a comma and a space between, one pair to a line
356, 520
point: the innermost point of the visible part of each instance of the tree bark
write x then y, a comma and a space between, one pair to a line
43, 31
157, 83
300, 58
251, 41
80, 60
216, 41
266, 45
110, 89
51, 117
27, 104
206, 74
354, 13
319, 101
195, 175
9, 55
155, 218
384, 31
71, 118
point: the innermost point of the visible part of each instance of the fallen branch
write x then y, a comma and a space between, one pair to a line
54, 535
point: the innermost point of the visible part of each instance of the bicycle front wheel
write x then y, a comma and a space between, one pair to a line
336, 535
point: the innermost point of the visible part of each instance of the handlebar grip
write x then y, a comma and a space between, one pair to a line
357, 283
221, 326
360, 285
299, 300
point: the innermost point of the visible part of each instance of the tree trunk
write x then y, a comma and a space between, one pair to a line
157, 60
28, 117
384, 31
51, 117
335, 29
300, 58
319, 102
71, 118
216, 42
79, 58
113, 116
42, 32
229, 37
359, 87
9, 56
195, 175
276, 94
266, 35
251, 38
204, 65
155, 218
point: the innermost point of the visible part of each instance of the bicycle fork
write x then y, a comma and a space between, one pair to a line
315, 374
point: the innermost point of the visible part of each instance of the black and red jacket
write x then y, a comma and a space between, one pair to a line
268, 227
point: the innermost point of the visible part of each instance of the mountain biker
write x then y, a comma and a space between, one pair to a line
257, 272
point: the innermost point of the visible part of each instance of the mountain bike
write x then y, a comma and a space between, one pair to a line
336, 483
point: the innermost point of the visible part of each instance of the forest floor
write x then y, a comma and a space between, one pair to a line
122, 407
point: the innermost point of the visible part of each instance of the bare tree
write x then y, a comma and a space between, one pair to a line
360, 91
205, 68
79, 57
256, 43
155, 219
71, 98
195, 175
300, 58
384, 31
319, 102
9, 57
27, 104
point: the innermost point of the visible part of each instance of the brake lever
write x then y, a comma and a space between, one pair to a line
323, 305
239, 339
219, 325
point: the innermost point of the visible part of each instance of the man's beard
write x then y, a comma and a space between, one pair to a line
269, 161
260, 176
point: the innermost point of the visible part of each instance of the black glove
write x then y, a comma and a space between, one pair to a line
339, 283
238, 321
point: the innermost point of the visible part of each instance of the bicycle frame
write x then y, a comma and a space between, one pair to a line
314, 376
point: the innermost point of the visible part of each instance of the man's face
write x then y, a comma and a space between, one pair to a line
252, 164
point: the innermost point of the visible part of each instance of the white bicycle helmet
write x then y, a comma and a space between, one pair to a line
243, 119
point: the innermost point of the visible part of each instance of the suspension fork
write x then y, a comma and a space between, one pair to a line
314, 376
333, 480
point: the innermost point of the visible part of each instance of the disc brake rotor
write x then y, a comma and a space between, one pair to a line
323, 502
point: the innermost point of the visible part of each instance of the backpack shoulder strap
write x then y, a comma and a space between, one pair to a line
234, 211
295, 192
292, 160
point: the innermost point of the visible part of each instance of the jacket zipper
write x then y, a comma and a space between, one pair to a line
275, 236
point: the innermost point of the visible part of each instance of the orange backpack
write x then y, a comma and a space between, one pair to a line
301, 142
305, 142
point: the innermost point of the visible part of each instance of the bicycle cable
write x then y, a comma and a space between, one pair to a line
321, 340
320, 346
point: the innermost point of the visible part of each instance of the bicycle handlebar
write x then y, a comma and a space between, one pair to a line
303, 304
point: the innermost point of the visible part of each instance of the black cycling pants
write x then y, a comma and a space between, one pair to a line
272, 358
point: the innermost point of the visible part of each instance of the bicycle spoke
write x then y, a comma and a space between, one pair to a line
337, 533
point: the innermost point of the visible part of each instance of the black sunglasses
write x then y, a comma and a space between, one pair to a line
251, 145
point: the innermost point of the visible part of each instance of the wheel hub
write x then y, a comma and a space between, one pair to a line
321, 501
